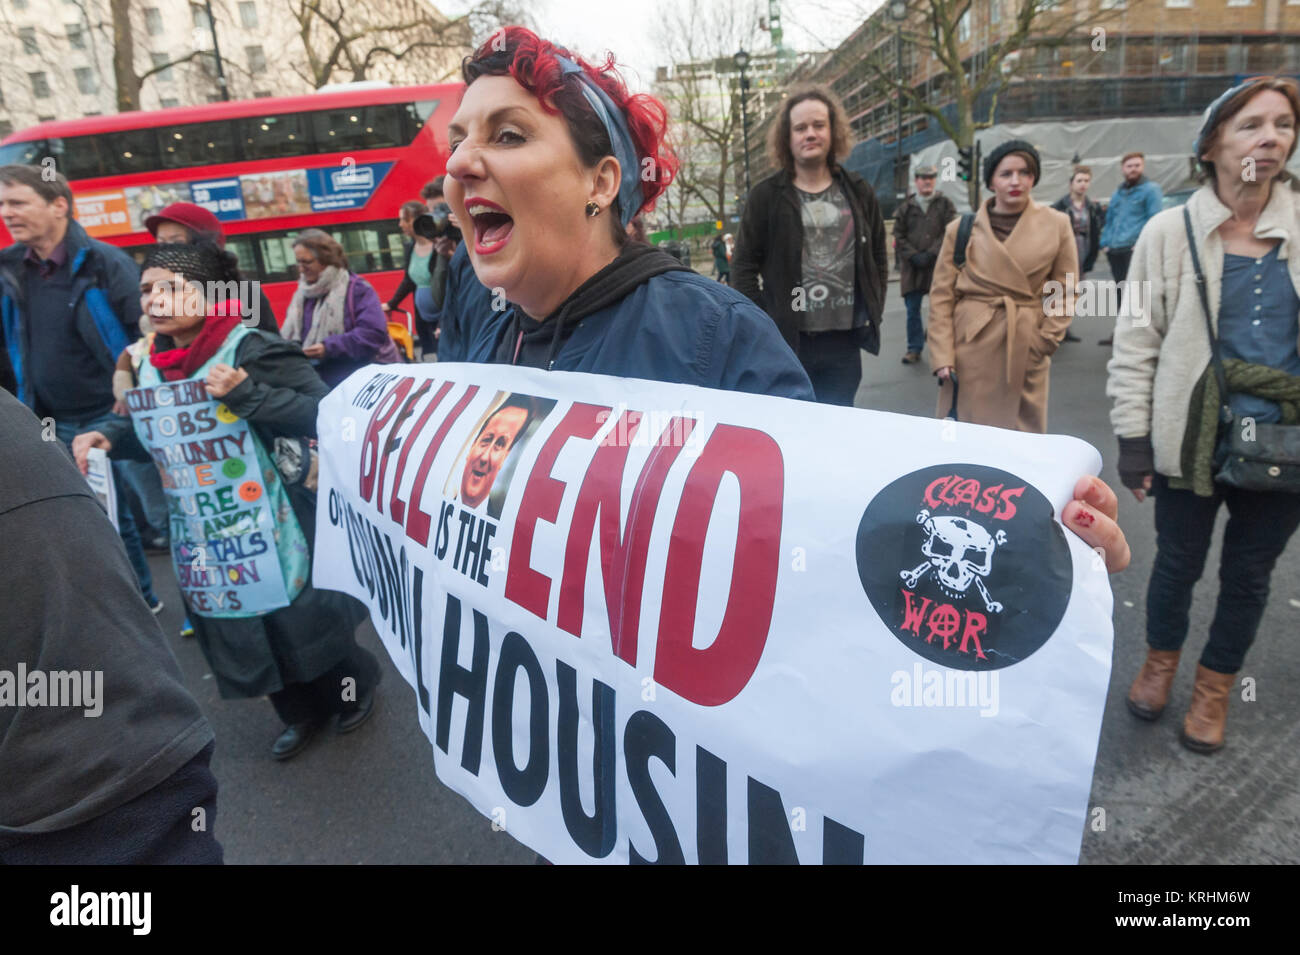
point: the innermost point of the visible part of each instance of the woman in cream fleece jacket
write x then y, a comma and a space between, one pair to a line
1246, 223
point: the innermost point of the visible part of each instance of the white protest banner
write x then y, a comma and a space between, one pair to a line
650, 622
99, 475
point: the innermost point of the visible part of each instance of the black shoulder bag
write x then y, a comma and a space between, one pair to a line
1269, 462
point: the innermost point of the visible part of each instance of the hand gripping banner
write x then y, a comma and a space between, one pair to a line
651, 622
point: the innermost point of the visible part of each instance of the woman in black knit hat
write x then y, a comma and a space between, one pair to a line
227, 412
990, 329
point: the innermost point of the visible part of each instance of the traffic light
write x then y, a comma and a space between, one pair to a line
965, 162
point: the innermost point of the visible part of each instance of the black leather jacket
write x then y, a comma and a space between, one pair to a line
1096, 219
770, 244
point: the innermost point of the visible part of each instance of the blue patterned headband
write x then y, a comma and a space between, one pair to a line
630, 195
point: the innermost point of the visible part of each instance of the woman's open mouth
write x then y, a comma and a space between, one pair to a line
492, 225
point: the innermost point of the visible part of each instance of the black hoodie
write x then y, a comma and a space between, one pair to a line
72, 603
534, 344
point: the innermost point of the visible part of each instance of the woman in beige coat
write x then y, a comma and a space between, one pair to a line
995, 322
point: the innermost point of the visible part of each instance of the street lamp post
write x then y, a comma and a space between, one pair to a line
216, 52
742, 61
898, 13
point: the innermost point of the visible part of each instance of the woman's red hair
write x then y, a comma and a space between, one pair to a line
534, 65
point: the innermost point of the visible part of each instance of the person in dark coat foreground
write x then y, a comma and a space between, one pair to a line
304, 655
121, 775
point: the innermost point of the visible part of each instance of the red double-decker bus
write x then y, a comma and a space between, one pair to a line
343, 161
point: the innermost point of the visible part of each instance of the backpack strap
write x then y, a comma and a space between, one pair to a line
963, 239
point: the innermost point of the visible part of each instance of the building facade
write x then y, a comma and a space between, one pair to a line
710, 91
1154, 58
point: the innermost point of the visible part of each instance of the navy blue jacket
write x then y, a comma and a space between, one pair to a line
677, 327
105, 294
466, 304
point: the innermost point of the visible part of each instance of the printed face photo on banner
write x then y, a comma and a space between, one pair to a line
485, 466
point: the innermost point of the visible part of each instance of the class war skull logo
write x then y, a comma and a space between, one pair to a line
965, 564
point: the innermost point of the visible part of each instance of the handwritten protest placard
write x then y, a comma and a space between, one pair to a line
222, 526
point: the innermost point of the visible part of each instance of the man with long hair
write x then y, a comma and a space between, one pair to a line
814, 232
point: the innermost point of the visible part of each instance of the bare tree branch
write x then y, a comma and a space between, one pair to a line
934, 29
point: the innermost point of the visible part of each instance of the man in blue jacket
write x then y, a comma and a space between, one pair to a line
69, 305
1135, 201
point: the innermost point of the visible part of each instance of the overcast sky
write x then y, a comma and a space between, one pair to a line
627, 26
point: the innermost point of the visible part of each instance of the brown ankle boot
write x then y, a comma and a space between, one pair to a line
1150, 691
1203, 727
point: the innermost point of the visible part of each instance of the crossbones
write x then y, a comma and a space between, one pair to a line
960, 552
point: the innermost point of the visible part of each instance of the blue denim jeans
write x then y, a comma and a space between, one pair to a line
66, 430
142, 478
1259, 525
915, 331
834, 365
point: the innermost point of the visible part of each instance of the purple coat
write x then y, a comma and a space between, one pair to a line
365, 336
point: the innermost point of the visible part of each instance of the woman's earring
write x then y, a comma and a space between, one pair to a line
593, 209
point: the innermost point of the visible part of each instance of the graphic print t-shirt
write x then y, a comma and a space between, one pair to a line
827, 260
1079, 220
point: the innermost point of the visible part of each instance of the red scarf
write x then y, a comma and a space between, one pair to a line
177, 363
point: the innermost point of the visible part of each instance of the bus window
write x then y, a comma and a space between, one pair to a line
242, 247
129, 150
80, 157
397, 249
422, 110
199, 144
267, 137
24, 154
367, 248
359, 127
277, 257
415, 115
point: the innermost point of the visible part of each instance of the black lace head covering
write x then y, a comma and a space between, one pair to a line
200, 262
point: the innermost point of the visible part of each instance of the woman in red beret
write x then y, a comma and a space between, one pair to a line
185, 223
